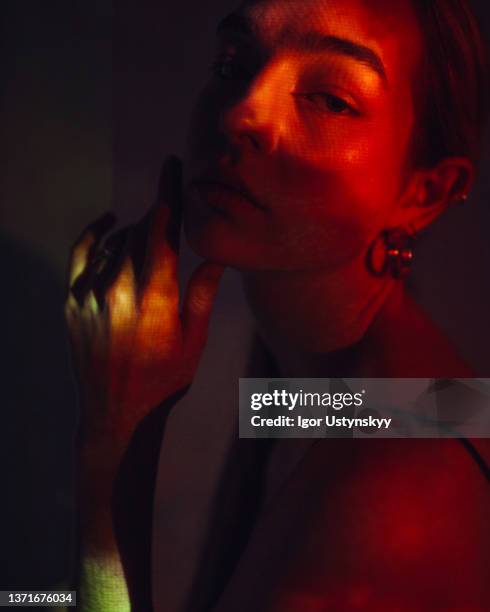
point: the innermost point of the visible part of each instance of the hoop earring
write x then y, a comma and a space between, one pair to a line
398, 245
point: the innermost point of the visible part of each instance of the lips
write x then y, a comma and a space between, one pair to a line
223, 193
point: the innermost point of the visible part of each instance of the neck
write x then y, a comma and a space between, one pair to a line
312, 319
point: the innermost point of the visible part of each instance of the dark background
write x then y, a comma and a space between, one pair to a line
94, 95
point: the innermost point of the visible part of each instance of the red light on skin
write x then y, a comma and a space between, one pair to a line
316, 134
400, 526
359, 597
221, 197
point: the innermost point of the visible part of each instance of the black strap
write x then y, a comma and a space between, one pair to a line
480, 461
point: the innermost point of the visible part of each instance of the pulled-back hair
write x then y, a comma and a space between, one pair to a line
452, 88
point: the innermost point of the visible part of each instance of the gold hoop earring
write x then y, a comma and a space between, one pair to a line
398, 246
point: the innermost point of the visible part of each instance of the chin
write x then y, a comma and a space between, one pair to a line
218, 243
220, 238
246, 244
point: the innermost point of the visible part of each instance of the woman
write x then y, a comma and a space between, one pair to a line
331, 133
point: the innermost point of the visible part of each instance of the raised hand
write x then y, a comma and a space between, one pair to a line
133, 344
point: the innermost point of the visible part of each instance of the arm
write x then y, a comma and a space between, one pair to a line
99, 579
116, 529
134, 349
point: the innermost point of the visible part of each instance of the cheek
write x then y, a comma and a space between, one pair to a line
328, 188
338, 188
358, 157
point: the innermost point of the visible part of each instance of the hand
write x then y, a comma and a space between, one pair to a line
132, 347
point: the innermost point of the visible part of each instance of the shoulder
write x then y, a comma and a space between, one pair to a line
403, 521
374, 525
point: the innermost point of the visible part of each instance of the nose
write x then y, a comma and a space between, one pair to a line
253, 124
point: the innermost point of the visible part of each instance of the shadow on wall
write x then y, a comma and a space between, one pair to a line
55, 175
37, 424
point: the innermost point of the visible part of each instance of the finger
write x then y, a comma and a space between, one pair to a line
121, 298
139, 247
91, 323
86, 331
197, 306
86, 244
164, 221
99, 279
81, 270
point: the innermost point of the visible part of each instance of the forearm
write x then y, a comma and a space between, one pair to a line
116, 516
100, 581
102, 584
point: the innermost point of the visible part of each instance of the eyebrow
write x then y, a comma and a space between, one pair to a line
311, 41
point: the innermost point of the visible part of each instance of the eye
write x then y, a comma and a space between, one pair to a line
228, 69
328, 102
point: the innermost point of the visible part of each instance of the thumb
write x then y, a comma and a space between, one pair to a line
197, 305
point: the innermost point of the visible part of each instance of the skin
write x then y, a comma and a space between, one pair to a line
328, 178
372, 526
321, 143
135, 342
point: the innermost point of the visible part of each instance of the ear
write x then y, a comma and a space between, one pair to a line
430, 191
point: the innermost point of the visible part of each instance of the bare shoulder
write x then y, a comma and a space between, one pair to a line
397, 523
373, 525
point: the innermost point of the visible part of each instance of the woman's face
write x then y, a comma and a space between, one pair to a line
299, 142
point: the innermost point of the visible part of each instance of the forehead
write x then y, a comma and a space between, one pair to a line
388, 27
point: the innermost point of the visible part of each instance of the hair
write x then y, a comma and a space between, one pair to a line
452, 88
